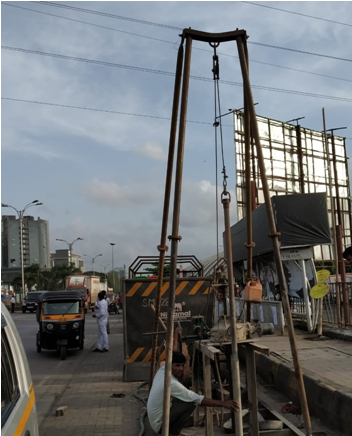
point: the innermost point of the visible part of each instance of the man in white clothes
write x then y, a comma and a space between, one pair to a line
102, 319
183, 401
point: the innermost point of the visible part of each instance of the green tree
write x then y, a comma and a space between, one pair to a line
154, 270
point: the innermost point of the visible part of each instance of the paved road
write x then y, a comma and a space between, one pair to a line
52, 376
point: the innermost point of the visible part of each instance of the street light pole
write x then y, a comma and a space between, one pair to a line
20, 214
105, 269
70, 244
93, 259
112, 262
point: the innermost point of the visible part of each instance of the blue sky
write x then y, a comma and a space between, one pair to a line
101, 175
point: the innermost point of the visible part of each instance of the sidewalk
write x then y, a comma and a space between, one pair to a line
91, 410
327, 368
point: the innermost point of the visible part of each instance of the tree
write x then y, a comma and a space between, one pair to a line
155, 269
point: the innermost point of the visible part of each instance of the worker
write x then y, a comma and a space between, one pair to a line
219, 303
13, 302
347, 255
183, 402
102, 319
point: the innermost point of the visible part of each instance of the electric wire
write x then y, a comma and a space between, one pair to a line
167, 26
172, 43
99, 110
167, 73
297, 13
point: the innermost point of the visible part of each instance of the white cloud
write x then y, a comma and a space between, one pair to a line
111, 194
153, 151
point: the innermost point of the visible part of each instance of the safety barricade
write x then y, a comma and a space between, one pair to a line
193, 297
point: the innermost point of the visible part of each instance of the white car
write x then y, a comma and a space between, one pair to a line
18, 409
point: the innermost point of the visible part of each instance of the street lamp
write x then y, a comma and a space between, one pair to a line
105, 269
93, 259
20, 217
70, 248
112, 262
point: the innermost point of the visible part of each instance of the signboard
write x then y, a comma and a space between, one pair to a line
319, 290
297, 254
193, 297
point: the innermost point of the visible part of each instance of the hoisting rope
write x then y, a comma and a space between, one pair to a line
218, 123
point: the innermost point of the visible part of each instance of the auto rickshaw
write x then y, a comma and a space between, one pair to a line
60, 315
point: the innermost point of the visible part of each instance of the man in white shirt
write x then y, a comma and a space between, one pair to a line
183, 401
102, 319
13, 302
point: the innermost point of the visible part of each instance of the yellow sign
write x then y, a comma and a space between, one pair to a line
323, 275
319, 290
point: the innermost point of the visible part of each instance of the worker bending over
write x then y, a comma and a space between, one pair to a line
183, 401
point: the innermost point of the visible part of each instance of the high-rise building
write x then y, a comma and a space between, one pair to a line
61, 257
36, 243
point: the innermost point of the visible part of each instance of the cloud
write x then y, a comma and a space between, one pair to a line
111, 194
152, 150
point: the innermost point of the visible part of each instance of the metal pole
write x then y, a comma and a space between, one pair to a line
274, 235
20, 213
112, 263
175, 238
162, 247
333, 223
235, 366
249, 243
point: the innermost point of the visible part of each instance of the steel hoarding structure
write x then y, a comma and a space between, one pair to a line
296, 162
194, 296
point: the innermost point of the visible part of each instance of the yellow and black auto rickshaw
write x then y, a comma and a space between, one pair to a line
60, 315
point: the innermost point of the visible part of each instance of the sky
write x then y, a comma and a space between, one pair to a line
96, 152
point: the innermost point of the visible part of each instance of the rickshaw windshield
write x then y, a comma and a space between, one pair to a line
61, 308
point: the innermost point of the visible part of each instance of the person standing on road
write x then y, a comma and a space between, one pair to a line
184, 401
107, 299
13, 302
102, 319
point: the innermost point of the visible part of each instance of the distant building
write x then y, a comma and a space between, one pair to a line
61, 257
36, 243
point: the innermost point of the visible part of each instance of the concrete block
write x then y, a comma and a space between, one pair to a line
61, 411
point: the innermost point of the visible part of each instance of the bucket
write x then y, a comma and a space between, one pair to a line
253, 292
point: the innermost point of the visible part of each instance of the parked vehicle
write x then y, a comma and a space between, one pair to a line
60, 315
18, 409
88, 286
31, 301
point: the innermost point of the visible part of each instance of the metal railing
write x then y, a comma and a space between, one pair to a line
330, 305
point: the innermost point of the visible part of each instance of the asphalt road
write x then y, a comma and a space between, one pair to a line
51, 375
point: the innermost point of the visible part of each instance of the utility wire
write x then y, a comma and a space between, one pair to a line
170, 42
166, 26
98, 110
167, 73
298, 13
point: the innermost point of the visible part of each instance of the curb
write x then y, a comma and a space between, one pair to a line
330, 332
332, 406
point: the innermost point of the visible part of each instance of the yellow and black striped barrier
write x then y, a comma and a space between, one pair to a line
193, 296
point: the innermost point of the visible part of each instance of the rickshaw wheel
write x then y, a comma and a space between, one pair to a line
39, 348
63, 352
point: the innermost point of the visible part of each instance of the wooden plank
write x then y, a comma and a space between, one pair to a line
209, 350
195, 381
260, 349
209, 431
252, 391
283, 432
295, 431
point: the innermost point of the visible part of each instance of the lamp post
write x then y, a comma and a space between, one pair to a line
20, 217
93, 259
105, 269
70, 244
112, 263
